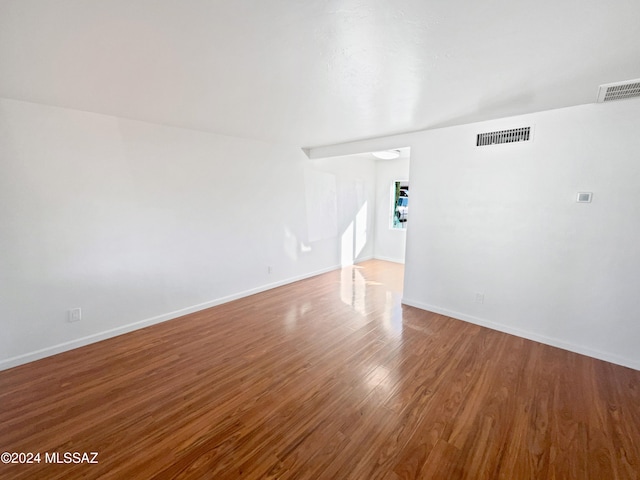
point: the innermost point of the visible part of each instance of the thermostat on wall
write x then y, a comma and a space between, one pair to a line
584, 197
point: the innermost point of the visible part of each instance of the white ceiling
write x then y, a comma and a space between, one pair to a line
318, 72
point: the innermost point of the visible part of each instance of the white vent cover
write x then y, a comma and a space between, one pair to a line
504, 136
619, 90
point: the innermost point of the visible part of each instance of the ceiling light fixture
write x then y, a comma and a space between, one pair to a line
386, 154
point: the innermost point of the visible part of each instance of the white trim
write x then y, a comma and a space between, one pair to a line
389, 259
554, 342
130, 327
361, 259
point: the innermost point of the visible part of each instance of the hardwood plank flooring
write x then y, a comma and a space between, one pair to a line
327, 378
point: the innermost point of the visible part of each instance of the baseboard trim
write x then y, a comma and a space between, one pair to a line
360, 260
389, 259
130, 327
554, 342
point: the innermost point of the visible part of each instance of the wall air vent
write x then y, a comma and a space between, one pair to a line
619, 91
504, 136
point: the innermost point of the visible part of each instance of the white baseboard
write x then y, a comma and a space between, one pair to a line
130, 327
389, 259
554, 342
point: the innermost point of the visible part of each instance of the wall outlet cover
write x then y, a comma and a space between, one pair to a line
74, 315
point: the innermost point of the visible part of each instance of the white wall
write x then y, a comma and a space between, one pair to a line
503, 221
138, 223
389, 243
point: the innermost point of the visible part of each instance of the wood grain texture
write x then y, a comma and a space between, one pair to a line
330, 377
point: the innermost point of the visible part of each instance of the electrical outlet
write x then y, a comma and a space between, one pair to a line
74, 315
269, 269
479, 297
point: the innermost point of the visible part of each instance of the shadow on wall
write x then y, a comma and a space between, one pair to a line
324, 216
293, 246
352, 241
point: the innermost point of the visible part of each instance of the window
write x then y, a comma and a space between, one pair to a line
399, 204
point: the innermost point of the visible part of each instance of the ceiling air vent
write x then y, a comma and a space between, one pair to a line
619, 90
504, 136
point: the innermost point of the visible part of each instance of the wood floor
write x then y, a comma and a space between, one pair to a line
327, 378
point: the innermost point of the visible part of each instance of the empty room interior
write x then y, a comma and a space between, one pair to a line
325, 240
